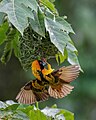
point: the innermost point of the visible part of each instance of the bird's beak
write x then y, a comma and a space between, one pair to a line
44, 63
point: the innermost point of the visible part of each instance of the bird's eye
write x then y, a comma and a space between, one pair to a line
40, 62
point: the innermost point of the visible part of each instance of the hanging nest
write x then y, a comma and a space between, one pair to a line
33, 46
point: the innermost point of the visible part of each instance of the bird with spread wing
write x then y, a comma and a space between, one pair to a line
48, 82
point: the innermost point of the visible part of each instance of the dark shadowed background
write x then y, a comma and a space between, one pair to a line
82, 101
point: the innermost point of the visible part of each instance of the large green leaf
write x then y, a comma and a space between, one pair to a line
38, 23
3, 30
17, 13
58, 37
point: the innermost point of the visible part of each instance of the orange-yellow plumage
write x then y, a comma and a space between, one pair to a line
35, 68
48, 82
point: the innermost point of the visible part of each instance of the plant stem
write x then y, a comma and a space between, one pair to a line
37, 105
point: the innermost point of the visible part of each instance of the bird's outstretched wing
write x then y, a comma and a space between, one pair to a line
30, 93
69, 73
63, 77
59, 90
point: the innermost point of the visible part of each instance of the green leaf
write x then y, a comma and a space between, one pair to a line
38, 23
57, 58
58, 114
19, 115
7, 52
22, 106
53, 113
57, 36
61, 58
12, 107
67, 114
73, 59
65, 26
26, 109
8, 46
62, 25
17, 13
54, 106
2, 105
36, 115
3, 30
49, 5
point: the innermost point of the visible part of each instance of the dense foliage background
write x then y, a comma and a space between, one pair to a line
82, 101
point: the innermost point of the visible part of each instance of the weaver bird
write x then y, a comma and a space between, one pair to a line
48, 82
